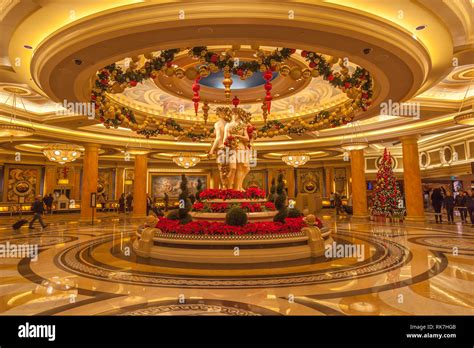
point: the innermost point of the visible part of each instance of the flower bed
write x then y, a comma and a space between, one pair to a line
250, 193
291, 225
248, 207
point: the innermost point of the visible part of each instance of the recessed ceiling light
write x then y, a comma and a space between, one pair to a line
291, 88
421, 27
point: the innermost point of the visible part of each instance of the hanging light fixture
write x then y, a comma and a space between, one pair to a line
465, 118
352, 141
296, 159
11, 128
186, 160
62, 153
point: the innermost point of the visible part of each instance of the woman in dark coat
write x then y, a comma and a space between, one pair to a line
448, 203
437, 202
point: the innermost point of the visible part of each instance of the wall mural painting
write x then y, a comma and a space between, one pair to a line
22, 182
169, 183
309, 180
106, 182
256, 178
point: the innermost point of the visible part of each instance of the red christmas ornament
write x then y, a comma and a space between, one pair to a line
267, 75
304, 53
214, 58
235, 101
133, 83
196, 99
312, 64
330, 77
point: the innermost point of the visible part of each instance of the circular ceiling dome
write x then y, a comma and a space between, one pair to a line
214, 80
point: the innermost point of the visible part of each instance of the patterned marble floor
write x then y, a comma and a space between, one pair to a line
404, 269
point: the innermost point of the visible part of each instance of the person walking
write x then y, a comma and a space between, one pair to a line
348, 208
122, 203
48, 201
448, 203
461, 204
129, 201
331, 200
470, 206
102, 202
437, 203
37, 209
338, 203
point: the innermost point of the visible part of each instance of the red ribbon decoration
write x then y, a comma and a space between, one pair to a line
196, 97
267, 75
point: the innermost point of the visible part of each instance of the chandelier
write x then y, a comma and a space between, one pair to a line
465, 118
186, 160
62, 153
354, 140
296, 159
11, 128
354, 145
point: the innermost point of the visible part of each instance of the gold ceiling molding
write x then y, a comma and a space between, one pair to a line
407, 57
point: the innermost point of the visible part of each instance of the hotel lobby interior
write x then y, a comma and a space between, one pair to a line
249, 158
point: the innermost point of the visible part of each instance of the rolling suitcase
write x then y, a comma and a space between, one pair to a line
17, 225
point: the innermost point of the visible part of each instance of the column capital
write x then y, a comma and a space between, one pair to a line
410, 139
91, 146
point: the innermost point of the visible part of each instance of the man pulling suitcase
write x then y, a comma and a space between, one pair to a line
38, 210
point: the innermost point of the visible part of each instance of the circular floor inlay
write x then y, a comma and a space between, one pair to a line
446, 243
80, 259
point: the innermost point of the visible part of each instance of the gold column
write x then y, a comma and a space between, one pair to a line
348, 181
290, 181
49, 179
76, 184
412, 179
359, 190
139, 185
119, 175
329, 184
90, 173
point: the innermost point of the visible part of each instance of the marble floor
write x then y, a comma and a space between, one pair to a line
402, 269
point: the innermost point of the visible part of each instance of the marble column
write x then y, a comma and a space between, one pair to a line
90, 173
412, 179
49, 179
76, 184
359, 186
139, 185
329, 181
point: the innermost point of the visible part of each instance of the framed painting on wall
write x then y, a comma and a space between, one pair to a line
160, 183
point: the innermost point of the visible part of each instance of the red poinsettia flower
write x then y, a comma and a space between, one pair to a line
198, 206
291, 225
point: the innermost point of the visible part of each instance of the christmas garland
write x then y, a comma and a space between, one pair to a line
113, 79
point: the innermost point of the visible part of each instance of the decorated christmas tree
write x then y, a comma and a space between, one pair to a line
386, 195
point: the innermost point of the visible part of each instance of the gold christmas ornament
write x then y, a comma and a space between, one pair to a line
191, 73
295, 73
